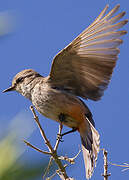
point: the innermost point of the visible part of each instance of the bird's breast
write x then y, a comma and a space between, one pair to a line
51, 103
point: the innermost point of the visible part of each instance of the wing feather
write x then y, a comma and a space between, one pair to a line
85, 66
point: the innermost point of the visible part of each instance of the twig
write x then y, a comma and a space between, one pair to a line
59, 137
37, 149
70, 160
125, 165
49, 178
60, 175
63, 175
106, 174
48, 167
41, 130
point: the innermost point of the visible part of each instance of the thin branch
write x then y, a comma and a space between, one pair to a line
49, 178
106, 174
63, 175
48, 167
70, 160
60, 175
59, 137
37, 149
125, 165
41, 130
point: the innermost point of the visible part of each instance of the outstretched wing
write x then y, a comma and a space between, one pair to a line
85, 66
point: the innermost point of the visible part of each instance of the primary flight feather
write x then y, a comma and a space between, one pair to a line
87, 63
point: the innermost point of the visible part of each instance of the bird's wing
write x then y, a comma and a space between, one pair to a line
85, 66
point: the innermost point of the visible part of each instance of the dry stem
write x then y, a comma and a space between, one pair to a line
37, 149
125, 165
41, 130
58, 138
106, 174
70, 160
52, 151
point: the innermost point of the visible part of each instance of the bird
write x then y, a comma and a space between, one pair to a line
80, 71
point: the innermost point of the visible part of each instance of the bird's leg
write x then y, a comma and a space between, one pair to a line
62, 118
68, 132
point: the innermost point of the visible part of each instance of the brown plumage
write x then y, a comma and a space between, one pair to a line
87, 63
84, 69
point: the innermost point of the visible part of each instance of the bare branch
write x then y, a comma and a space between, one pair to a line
125, 165
49, 178
48, 168
41, 130
60, 175
52, 151
106, 174
70, 160
59, 137
37, 149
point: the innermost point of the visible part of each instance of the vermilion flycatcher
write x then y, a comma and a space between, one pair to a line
82, 69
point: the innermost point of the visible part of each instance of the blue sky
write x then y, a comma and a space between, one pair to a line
40, 30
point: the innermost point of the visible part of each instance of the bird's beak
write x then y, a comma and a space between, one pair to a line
12, 88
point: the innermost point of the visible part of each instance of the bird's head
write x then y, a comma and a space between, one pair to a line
23, 82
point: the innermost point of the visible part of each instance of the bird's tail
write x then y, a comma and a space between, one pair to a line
90, 146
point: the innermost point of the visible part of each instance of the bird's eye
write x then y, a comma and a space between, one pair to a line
20, 79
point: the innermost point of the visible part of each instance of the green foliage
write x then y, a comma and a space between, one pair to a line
10, 166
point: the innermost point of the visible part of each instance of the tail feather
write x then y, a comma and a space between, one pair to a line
90, 146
